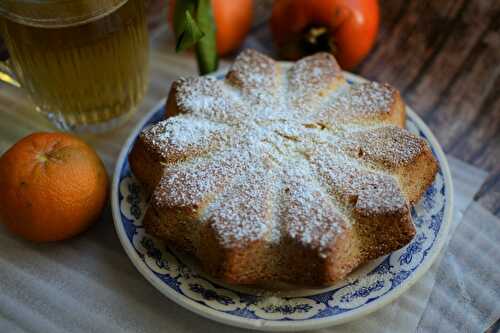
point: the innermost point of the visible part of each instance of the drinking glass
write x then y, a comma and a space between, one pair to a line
84, 63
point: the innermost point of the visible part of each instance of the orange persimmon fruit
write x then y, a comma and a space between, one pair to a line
346, 28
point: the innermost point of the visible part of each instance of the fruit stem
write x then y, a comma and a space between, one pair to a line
318, 39
42, 158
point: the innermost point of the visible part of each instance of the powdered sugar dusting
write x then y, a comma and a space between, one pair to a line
208, 98
359, 102
388, 145
184, 135
309, 215
193, 184
254, 72
244, 212
281, 152
311, 78
348, 181
312, 74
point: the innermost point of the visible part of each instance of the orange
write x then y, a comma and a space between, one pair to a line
52, 187
233, 19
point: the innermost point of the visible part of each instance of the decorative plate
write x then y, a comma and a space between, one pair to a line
365, 290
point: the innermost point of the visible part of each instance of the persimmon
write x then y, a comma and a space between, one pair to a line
346, 28
53, 186
233, 19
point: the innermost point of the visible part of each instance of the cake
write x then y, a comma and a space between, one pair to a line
282, 174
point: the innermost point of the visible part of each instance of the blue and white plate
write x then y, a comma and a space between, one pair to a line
367, 289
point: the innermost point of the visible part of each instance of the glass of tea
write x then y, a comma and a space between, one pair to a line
84, 63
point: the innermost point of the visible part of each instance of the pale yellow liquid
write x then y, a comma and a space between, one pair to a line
85, 74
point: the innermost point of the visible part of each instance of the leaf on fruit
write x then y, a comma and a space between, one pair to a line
194, 25
189, 35
206, 49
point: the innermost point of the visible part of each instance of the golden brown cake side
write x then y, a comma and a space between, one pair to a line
144, 166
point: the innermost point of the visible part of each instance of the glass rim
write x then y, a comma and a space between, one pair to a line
57, 13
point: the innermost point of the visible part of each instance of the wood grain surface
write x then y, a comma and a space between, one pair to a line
444, 56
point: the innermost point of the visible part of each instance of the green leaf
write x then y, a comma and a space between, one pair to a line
190, 35
199, 32
206, 50
179, 19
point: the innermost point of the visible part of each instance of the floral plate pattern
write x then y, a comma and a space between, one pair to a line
366, 290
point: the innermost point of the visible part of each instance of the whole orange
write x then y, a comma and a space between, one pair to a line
52, 187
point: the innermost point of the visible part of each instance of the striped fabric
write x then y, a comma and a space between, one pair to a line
466, 297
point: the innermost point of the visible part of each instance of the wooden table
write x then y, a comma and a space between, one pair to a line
444, 56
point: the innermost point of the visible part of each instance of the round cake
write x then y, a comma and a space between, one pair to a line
282, 174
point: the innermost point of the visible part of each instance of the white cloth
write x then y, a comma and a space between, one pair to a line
466, 297
88, 284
